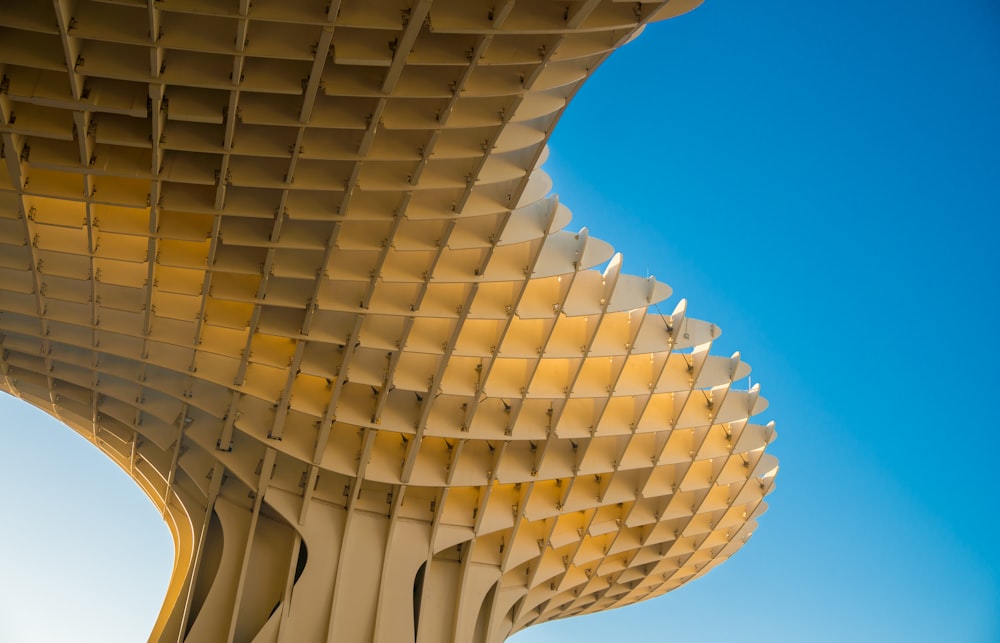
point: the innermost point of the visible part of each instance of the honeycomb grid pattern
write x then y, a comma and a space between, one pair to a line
295, 268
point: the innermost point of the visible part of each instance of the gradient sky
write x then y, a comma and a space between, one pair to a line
822, 180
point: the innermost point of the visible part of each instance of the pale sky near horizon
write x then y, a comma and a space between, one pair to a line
823, 182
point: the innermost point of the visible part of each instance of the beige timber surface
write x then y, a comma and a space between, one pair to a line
294, 267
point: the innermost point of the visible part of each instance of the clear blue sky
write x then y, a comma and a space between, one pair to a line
823, 181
